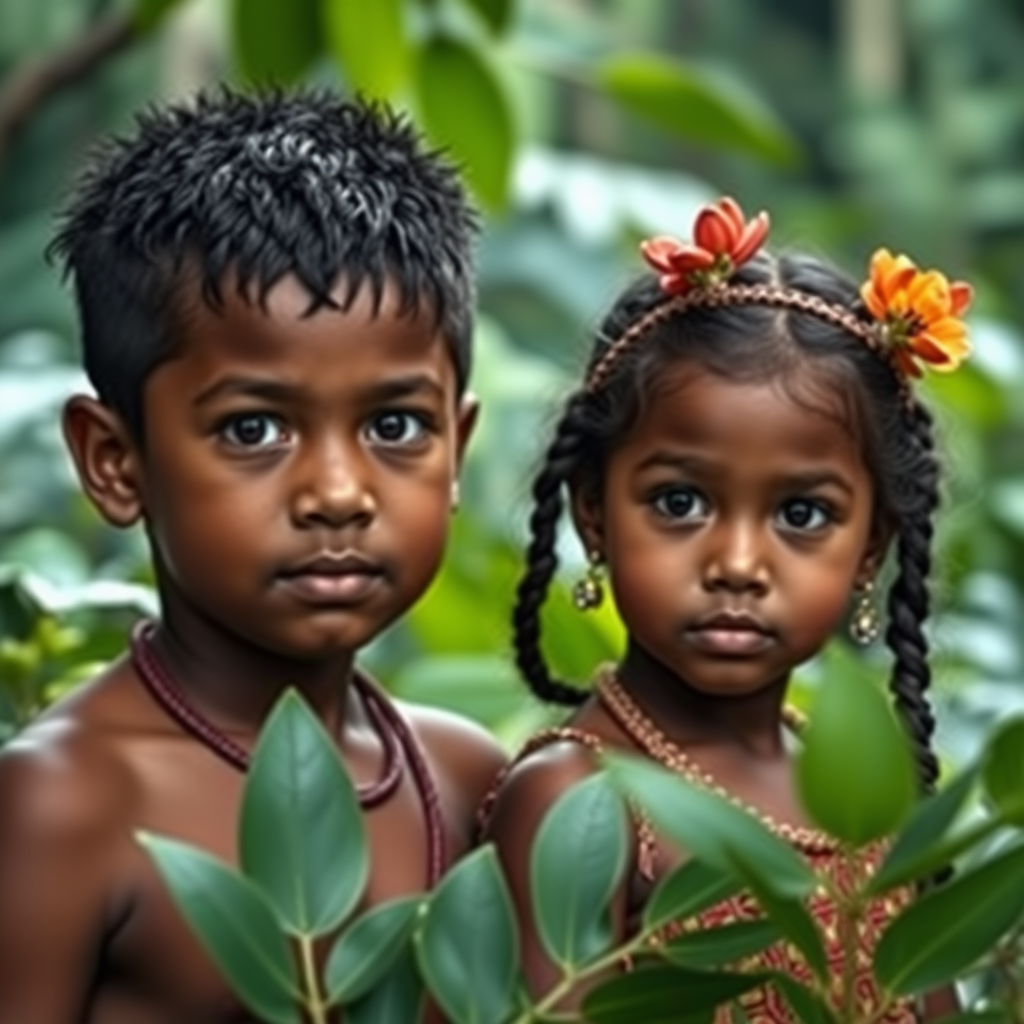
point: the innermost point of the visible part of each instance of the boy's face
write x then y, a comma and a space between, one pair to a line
298, 472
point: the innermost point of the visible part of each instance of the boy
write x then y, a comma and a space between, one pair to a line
275, 297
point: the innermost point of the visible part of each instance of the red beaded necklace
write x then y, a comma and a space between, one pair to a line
395, 735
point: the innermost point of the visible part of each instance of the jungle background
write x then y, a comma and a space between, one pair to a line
583, 125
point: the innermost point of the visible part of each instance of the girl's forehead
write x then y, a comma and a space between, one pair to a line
797, 411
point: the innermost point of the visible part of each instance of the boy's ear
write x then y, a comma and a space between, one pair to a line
466, 419
585, 506
106, 459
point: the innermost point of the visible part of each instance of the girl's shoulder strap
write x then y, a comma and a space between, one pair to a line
645, 841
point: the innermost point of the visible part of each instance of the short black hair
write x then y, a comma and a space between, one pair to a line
258, 186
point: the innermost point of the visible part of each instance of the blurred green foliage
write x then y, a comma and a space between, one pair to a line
583, 125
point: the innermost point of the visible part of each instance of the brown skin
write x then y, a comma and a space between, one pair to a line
270, 438
724, 498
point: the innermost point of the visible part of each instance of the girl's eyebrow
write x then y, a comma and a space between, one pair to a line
278, 391
807, 480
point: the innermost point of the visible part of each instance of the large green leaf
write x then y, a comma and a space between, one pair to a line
716, 947
369, 42
855, 771
147, 14
468, 947
912, 854
714, 829
948, 929
235, 925
397, 997
302, 838
728, 838
1003, 770
576, 864
698, 104
807, 1005
276, 42
665, 995
497, 14
366, 950
464, 108
692, 887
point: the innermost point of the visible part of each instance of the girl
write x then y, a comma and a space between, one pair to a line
745, 446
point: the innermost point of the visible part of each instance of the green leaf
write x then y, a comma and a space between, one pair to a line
714, 829
948, 929
366, 950
808, 1006
302, 838
496, 14
716, 947
657, 995
1003, 770
398, 997
468, 947
234, 924
698, 104
148, 14
912, 854
691, 888
276, 42
576, 864
728, 838
855, 771
369, 42
464, 109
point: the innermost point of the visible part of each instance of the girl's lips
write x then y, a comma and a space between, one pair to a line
730, 640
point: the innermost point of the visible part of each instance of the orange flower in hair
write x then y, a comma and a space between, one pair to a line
919, 311
723, 239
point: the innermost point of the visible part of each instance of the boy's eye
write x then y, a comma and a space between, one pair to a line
804, 514
680, 503
396, 428
253, 430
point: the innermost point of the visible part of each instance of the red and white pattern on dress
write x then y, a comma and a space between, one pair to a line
766, 1005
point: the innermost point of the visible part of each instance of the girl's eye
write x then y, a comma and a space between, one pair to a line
254, 430
396, 428
805, 515
680, 503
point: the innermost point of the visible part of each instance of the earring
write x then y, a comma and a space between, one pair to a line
455, 496
864, 623
588, 592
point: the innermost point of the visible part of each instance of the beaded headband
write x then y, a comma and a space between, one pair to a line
915, 315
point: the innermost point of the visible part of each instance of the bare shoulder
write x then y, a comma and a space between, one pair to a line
63, 775
465, 751
535, 782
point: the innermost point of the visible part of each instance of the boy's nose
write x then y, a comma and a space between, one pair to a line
737, 560
333, 489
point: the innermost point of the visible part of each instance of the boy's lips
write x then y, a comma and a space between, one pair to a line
332, 578
731, 633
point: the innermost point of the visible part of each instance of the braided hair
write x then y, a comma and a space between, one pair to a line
752, 343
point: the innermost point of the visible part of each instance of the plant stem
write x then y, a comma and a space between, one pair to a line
315, 1003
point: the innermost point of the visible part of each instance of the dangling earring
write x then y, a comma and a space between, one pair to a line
455, 496
864, 623
588, 593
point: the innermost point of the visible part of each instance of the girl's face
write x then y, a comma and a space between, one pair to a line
735, 522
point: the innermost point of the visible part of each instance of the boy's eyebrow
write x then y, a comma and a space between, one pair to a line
277, 391
807, 481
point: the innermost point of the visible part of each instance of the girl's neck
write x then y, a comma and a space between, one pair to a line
694, 718
235, 684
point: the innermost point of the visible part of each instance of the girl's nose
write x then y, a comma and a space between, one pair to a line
737, 559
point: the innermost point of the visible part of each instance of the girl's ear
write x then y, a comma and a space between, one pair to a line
587, 515
882, 532
106, 459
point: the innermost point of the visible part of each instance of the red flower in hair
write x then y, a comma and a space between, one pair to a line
723, 239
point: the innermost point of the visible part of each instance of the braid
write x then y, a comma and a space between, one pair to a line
909, 598
563, 457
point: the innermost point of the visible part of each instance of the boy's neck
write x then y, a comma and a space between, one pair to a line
234, 684
690, 717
